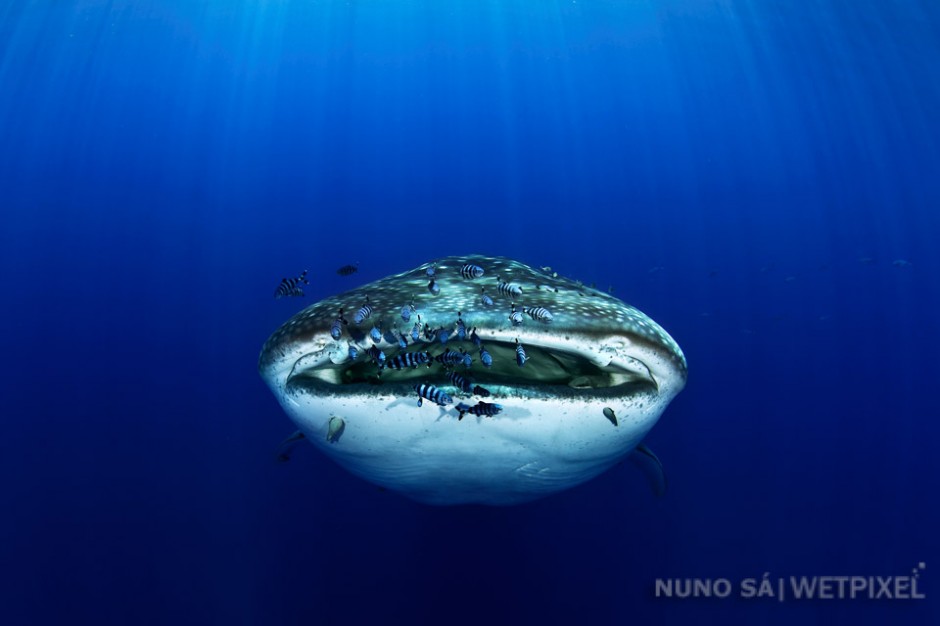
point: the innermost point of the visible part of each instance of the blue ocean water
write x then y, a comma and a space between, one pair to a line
758, 177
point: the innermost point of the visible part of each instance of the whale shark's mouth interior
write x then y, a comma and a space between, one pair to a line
547, 371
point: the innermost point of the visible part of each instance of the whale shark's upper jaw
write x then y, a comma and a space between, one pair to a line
595, 344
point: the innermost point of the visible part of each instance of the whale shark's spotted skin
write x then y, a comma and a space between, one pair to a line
596, 352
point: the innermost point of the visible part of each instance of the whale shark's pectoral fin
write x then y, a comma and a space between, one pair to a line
287, 446
652, 467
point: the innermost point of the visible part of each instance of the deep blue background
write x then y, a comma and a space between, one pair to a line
744, 172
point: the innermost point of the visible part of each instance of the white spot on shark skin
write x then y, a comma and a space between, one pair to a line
550, 435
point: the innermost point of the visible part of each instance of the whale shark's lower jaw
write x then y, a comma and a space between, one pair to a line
598, 376
548, 445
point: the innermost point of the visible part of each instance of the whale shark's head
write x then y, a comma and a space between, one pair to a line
597, 375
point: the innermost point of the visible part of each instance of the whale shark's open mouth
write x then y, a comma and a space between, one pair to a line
562, 380
548, 372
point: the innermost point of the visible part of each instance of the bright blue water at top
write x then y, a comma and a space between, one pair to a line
163, 164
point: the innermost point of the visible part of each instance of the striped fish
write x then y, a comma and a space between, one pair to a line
485, 358
539, 314
479, 409
521, 357
443, 334
336, 329
466, 385
461, 328
406, 312
402, 341
470, 271
433, 394
511, 290
410, 359
348, 270
376, 334
485, 300
416, 331
433, 287
291, 286
450, 358
364, 313
515, 317
461, 383
475, 338
353, 352
377, 356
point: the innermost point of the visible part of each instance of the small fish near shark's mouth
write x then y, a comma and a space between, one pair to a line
594, 376
549, 371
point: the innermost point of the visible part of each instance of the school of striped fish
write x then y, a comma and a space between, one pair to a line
447, 359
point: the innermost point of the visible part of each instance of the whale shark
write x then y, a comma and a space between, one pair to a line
596, 377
